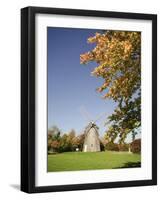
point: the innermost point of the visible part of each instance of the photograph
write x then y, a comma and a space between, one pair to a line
93, 99
89, 99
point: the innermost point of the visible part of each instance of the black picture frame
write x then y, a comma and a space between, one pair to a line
28, 98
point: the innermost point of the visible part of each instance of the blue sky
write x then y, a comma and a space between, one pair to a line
70, 84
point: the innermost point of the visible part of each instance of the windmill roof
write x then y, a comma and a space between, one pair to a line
89, 126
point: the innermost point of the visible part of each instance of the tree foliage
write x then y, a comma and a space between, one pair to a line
59, 142
136, 146
118, 55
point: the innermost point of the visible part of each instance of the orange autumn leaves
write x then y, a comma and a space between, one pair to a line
118, 54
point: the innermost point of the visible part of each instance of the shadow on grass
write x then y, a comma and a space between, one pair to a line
130, 165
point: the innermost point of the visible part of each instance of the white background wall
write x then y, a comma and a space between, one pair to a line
10, 99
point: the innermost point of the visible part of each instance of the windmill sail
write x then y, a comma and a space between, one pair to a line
85, 114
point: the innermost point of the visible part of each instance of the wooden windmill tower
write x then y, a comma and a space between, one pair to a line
91, 141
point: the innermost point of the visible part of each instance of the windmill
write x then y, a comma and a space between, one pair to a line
91, 141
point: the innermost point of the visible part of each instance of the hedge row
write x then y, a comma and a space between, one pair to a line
135, 146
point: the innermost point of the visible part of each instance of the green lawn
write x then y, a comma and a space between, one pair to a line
71, 161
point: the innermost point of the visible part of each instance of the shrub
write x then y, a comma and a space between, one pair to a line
102, 147
123, 147
112, 146
136, 146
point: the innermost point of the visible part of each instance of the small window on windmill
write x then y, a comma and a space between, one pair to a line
91, 145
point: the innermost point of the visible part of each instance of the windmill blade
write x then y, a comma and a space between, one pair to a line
82, 130
103, 114
85, 114
103, 123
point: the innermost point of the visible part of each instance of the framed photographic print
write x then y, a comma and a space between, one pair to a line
88, 99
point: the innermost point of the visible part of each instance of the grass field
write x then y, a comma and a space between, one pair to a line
72, 161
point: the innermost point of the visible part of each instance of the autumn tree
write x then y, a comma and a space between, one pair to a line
118, 55
54, 132
55, 145
49, 142
54, 137
64, 144
136, 146
81, 139
71, 139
